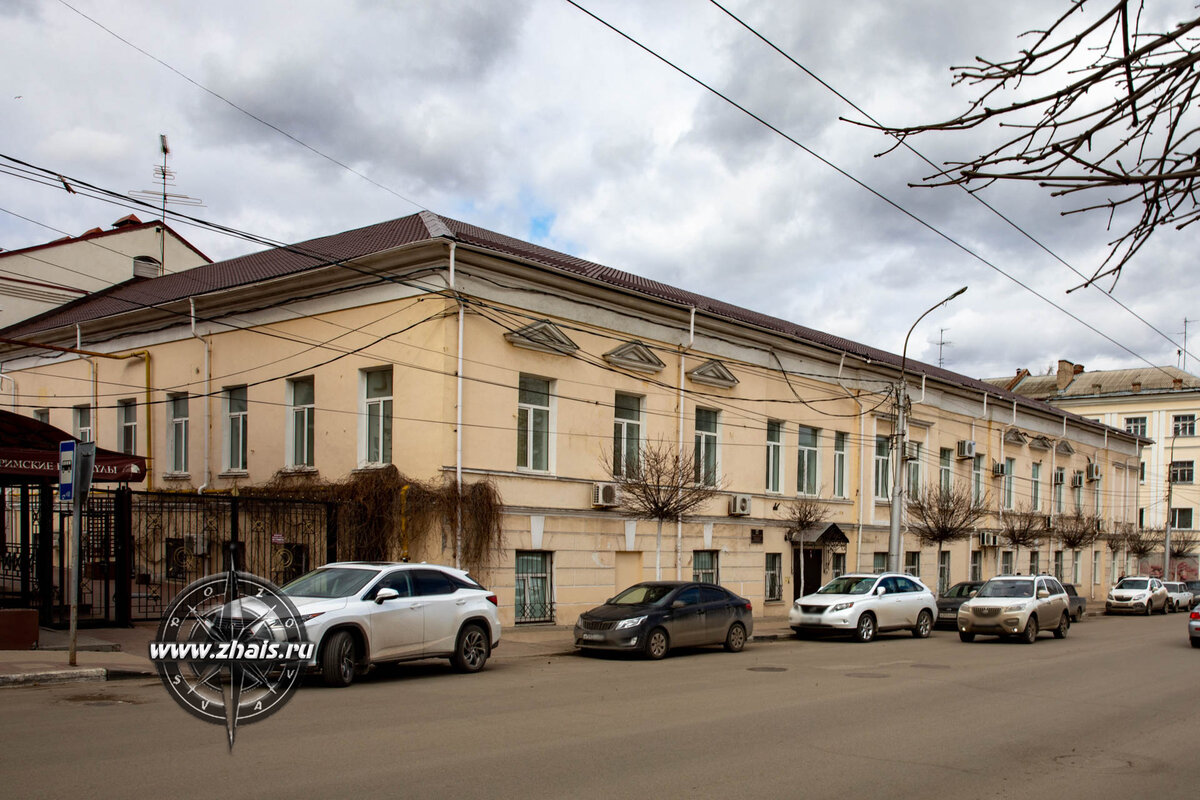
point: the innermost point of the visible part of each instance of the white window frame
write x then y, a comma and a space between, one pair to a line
840, 439
1010, 466
943, 571
1096, 566
912, 563
1178, 515
1077, 567
1135, 425
1060, 473
1183, 425
382, 408
627, 448
236, 428
82, 417
914, 471
977, 478
700, 575
883, 466
808, 461
127, 426
946, 469
976, 567
1006, 562
1035, 486
773, 577
177, 437
1182, 472
707, 442
1035, 562
301, 434
774, 456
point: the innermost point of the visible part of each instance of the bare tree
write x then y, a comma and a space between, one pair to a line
940, 516
1077, 530
1141, 542
1184, 544
1023, 527
661, 486
1117, 120
802, 514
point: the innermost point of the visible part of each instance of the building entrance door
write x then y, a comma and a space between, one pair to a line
806, 571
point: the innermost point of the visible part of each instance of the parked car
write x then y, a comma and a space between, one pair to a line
1078, 605
364, 613
954, 597
1178, 595
1194, 588
865, 605
655, 616
1194, 627
1012, 605
1141, 595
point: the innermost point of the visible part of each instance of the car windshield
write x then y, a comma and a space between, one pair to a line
1003, 588
641, 594
959, 590
1133, 583
330, 582
849, 584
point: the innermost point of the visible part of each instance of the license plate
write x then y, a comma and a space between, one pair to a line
592, 637
810, 619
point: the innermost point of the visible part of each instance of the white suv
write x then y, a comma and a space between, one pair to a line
361, 613
864, 605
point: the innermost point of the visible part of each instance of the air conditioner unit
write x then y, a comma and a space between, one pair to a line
739, 505
1093, 472
1076, 480
989, 540
198, 543
966, 448
604, 495
998, 468
912, 451
1058, 477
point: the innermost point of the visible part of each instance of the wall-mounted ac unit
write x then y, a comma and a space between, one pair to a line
912, 451
966, 448
604, 495
1093, 472
1058, 477
989, 540
739, 505
1076, 480
998, 468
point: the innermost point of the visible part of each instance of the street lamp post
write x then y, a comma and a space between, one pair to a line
899, 444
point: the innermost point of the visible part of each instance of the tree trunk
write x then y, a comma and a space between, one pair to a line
658, 552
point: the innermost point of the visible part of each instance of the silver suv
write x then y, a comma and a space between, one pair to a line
362, 613
1016, 605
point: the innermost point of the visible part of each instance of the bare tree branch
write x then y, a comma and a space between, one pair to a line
804, 513
938, 516
1023, 527
1077, 530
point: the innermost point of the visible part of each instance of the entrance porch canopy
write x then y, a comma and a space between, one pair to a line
29, 454
822, 535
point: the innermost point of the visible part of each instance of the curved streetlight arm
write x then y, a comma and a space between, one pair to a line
904, 352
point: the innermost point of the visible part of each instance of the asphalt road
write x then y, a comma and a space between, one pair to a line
1111, 711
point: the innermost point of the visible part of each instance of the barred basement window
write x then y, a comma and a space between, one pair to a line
774, 577
704, 566
533, 595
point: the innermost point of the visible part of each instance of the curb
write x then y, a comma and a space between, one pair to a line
54, 676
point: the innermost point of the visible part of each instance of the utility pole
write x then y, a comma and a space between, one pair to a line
1167, 528
900, 444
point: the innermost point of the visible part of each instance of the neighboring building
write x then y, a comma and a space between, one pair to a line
352, 351
38, 278
1160, 403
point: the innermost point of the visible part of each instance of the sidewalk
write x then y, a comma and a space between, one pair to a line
113, 653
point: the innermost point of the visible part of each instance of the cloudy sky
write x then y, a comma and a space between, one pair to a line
533, 119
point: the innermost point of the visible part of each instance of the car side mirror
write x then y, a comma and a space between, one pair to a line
972, 593
881, 591
1043, 594
385, 593
678, 604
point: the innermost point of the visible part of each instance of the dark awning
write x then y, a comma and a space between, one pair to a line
29, 450
822, 534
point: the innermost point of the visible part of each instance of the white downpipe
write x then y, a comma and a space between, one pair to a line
679, 522
862, 464
458, 418
207, 400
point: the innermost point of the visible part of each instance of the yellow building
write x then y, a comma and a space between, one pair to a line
454, 352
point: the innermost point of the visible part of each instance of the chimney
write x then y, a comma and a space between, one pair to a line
1078, 368
1137, 386
1177, 383
1066, 373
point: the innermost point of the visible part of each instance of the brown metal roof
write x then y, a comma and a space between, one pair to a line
1100, 383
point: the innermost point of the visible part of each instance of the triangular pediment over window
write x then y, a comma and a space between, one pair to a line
1063, 448
544, 336
1041, 443
1014, 436
635, 356
713, 373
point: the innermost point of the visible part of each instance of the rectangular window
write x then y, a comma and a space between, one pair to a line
1181, 518
534, 601
377, 415
83, 423
774, 577
1077, 490
1182, 471
1035, 487
1077, 567
177, 436
806, 461
533, 424
1006, 562
627, 435
912, 563
1060, 477
1135, 425
127, 426
879, 561
839, 464
706, 447
1035, 562
914, 469
945, 469
304, 433
976, 565
236, 428
1096, 566
943, 571
882, 466
704, 566
1183, 425
42, 415
1058, 564
774, 455
838, 564
977, 478
1141, 518
1141, 472
1010, 466
1112, 571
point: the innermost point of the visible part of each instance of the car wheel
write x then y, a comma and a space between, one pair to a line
924, 625
1164, 608
735, 640
337, 660
1196, 643
1064, 625
1029, 635
1149, 608
964, 636
472, 650
865, 630
657, 644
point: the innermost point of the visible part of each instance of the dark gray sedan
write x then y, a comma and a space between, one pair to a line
954, 597
655, 616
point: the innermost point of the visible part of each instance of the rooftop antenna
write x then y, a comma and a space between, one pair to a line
166, 177
1183, 352
942, 343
